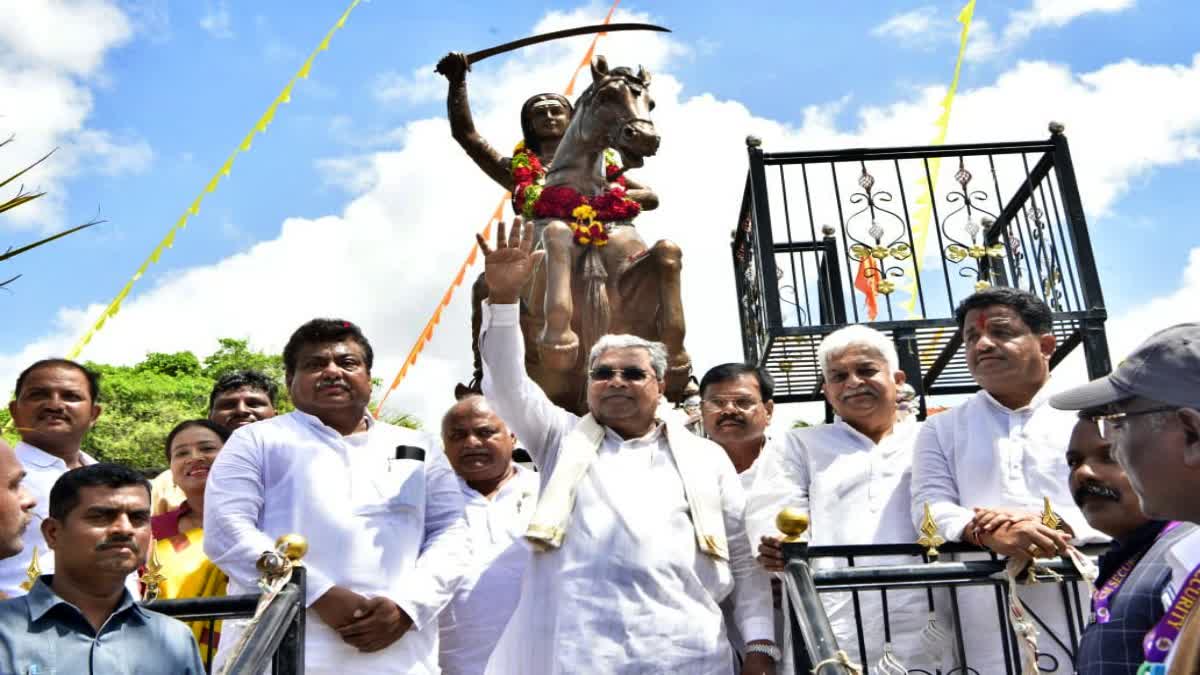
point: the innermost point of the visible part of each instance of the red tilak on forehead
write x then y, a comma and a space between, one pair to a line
981, 321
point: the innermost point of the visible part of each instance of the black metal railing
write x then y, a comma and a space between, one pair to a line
817, 228
275, 639
814, 640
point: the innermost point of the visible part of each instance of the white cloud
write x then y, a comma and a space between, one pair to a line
51, 54
1056, 14
217, 22
421, 86
921, 27
910, 25
385, 260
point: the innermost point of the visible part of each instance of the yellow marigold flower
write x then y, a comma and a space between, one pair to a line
584, 212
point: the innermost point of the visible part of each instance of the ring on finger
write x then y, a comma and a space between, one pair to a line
1032, 549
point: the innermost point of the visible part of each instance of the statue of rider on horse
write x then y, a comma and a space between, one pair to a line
568, 175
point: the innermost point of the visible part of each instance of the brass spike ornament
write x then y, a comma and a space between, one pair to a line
1049, 518
153, 577
32, 572
929, 538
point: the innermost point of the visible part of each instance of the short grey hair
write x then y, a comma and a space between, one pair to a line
857, 335
656, 350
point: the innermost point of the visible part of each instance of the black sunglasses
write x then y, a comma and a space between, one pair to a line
628, 373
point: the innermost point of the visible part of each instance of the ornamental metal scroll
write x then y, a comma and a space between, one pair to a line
878, 242
969, 249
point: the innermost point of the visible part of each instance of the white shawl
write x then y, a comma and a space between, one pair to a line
700, 485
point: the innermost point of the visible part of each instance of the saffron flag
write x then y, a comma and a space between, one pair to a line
867, 281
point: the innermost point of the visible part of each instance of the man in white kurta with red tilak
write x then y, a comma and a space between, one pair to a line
381, 508
986, 467
639, 529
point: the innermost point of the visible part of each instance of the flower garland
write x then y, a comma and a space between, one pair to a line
588, 215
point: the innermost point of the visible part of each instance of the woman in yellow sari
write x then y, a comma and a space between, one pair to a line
192, 447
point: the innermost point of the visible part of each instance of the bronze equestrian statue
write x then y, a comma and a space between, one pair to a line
598, 275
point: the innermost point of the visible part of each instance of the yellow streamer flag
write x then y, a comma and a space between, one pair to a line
427, 333
167, 241
924, 203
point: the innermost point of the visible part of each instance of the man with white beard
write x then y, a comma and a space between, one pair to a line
852, 477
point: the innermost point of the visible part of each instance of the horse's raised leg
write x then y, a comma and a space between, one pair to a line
668, 259
559, 345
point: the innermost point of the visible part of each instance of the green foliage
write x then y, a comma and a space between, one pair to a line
800, 424
401, 420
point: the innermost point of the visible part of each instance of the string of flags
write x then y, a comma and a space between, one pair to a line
260, 127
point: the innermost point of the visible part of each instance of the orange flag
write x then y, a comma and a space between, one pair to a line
868, 283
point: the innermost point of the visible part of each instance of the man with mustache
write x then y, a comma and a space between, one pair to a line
639, 530
735, 408
16, 504
985, 467
852, 478
382, 512
54, 405
239, 398
1127, 601
1149, 409
500, 497
82, 619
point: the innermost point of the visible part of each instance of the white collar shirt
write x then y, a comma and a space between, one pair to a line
377, 525
42, 469
856, 492
629, 591
473, 621
983, 454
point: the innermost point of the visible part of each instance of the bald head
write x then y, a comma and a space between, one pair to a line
478, 443
16, 504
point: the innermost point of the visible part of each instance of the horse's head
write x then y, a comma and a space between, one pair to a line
617, 105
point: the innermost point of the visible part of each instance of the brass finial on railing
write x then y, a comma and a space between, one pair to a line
276, 566
793, 523
1049, 518
153, 577
930, 538
32, 572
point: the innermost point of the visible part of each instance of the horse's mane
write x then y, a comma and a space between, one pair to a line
621, 71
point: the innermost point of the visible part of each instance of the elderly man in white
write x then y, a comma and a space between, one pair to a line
852, 478
639, 529
986, 466
380, 506
500, 496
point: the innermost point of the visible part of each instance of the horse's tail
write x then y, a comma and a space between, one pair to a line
595, 309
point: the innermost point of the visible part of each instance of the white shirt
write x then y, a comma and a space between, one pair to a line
983, 454
375, 525
473, 621
629, 591
42, 470
856, 492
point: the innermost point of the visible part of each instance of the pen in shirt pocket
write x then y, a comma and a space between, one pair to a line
406, 452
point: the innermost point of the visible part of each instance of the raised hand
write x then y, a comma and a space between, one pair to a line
509, 267
454, 66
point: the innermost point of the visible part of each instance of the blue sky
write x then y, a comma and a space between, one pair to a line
149, 100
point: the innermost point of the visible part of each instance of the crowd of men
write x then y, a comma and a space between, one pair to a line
631, 544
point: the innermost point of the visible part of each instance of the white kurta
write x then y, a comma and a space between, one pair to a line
42, 470
629, 591
473, 621
856, 493
982, 454
375, 525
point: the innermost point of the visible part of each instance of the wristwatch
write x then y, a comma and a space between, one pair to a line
771, 651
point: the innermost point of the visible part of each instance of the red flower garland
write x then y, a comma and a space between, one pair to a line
531, 199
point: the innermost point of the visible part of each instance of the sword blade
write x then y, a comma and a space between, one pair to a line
475, 57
